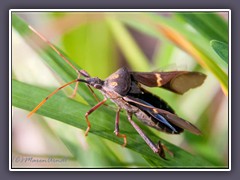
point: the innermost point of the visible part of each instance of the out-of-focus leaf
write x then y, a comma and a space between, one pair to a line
130, 49
163, 56
20, 25
90, 44
210, 25
221, 49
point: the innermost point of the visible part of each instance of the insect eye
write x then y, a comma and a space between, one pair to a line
97, 86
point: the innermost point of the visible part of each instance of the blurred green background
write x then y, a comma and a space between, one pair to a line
100, 43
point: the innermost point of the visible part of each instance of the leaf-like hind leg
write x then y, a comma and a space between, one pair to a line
90, 111
156, 149
116, 131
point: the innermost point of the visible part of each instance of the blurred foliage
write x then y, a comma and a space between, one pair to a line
221, 49
100, 43
210, 25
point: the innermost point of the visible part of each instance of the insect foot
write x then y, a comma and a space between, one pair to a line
161, 150
121, 136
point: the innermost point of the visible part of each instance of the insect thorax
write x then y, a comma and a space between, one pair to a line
120, 81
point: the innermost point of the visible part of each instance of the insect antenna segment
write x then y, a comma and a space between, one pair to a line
53, 47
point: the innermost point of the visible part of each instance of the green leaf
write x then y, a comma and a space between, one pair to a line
208, 24
71, 112
221, 49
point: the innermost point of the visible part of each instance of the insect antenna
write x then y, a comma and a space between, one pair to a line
50, 95
79, 72
53, 47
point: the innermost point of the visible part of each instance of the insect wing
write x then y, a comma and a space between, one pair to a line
175, 81
185, 81
170, 117
174, 119
156, 115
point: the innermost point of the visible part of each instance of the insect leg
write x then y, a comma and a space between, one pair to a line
90, 111
97, 99
156, 149
116, 131
162, 147
76, 87
94, 95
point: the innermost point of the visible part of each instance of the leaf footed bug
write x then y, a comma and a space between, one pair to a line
124, 88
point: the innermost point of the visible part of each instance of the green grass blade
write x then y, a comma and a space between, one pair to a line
71, 112
20, 25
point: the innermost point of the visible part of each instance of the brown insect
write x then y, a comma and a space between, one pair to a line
124, 88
